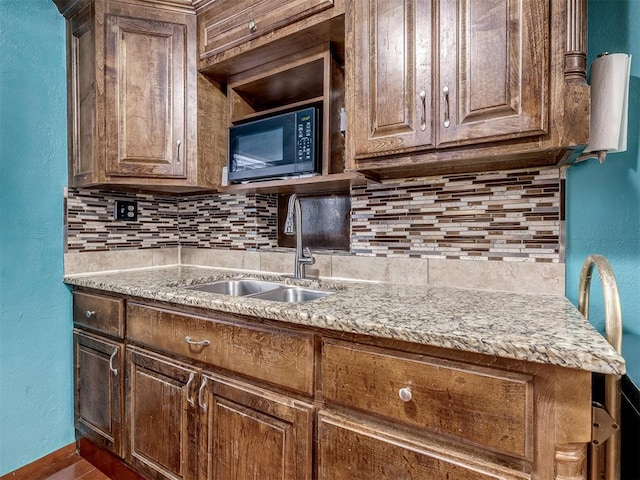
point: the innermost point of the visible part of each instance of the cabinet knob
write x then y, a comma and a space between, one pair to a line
405, 394
89, 313
252, 26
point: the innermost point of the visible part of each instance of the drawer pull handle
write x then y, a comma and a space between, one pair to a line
111, 360
252, 26
203, 405
189, 382
89, 313
405, 394
202, 343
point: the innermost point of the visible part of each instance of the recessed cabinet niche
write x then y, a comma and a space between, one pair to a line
463, 86
134, 96
311, 77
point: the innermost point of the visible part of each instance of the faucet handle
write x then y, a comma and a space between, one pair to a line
308, 258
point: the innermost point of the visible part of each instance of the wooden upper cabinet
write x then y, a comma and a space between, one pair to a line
227, 23
146, 63
493, 70
139, 113
82, 80
464, 85
392, 109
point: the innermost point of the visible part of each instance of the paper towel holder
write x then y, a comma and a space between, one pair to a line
601, 155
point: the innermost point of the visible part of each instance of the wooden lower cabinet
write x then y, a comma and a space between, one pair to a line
249, 432
99, 390
198, 395
348, 450
185, 424
162, 416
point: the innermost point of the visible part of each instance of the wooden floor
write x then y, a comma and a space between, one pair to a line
65, 464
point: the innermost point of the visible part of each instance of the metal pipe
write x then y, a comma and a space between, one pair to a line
613, 333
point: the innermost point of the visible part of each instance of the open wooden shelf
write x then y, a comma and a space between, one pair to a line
310, 77
331, 183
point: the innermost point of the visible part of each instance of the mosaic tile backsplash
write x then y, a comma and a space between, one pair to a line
239, 222
90, 224
500, 216
515, 216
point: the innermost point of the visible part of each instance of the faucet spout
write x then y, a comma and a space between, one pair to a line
303, 255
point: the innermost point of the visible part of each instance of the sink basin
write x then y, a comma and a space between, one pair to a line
261, 289
237, 288
292, 294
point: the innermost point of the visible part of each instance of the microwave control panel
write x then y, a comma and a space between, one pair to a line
305, 121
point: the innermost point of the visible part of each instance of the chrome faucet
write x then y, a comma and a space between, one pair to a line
303, 255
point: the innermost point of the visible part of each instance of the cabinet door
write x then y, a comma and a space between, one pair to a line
392, 76
351, 451
228, 23
249, 432
99, 385
161, 416
145, 86
493, 70
82, 96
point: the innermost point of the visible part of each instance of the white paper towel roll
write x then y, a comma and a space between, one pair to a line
609, 103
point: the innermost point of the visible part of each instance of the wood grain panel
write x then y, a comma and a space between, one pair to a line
162, 424
145, 77
99, 391
494, 62
392, 66
99, 313
350, 451
485, 406
277, 356
243, 420
226, 23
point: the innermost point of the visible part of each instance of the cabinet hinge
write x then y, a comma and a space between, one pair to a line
602, 424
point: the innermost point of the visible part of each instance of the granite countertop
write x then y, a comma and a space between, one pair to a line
537, 328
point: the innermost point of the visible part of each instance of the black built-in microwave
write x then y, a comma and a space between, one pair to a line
277, 146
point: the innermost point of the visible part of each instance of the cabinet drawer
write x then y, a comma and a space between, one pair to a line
488, 407
228, 23
277, 356
347, 450
99, 313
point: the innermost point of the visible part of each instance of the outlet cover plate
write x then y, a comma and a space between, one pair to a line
126, 210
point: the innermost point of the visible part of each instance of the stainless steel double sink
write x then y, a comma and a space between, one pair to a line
262, 289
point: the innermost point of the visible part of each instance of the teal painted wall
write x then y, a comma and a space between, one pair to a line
603, 201
36, 387
36, 411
